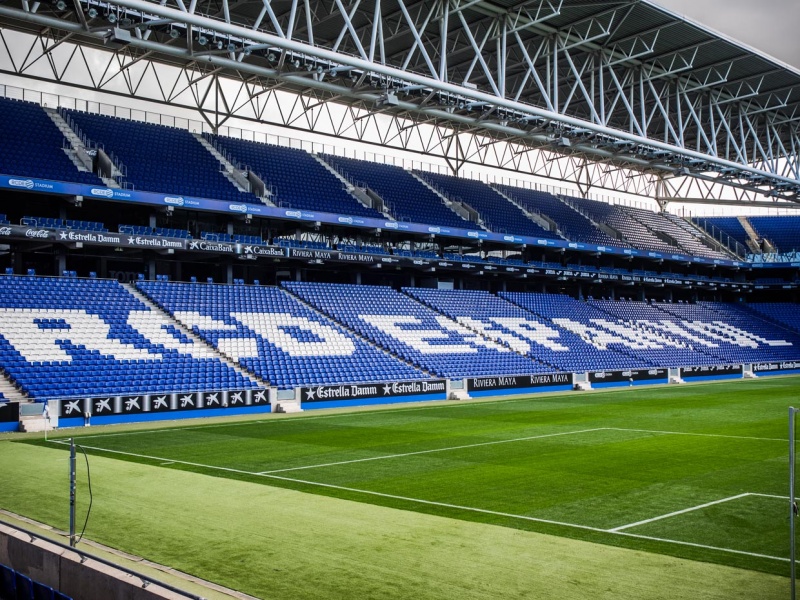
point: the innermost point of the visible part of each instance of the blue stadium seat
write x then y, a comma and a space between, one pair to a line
141, 148
33, 145
275, 336
406, 197
414, 332
67, 337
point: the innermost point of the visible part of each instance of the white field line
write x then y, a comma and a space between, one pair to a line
770, 496
714, 435
442, 504
418, 452
677, 512
703, 546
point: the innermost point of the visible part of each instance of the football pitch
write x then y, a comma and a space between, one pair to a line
697, 473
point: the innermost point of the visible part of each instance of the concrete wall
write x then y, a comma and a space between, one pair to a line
61, 569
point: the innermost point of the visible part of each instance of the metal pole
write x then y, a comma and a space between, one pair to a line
792, 508
72, 487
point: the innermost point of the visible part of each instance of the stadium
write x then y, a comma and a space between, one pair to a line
458, 299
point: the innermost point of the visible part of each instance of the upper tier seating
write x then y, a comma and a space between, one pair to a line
571, 223
32, 146
689, 238
498, 214
783, 232
734, 334
728, 226
641, 228
635, 232
407, 198
300, 181
190, 170
275, 336
685, 243
510, 325
414, 332
68, 337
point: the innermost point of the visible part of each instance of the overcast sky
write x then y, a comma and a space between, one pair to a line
771, 26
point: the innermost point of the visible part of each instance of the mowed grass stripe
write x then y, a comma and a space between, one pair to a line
433, 450
661, 450
285, 545
457, 507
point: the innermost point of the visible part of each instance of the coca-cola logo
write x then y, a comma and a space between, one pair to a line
37, 233
5, 230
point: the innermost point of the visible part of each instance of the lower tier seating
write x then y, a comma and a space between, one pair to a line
69, 337
275, 336
428, 339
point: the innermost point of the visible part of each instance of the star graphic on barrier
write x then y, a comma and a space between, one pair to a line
236, 398
131, 240
387, 389
310, 394
160, 401
102, 405
261, 395
212, 398
186, 400
63, 235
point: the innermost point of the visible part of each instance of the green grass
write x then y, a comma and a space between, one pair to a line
583, 467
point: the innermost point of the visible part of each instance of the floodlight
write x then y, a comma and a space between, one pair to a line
92, 13
202, 40
174, 33
61, 5
111, 17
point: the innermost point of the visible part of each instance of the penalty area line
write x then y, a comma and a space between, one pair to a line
431, 451
439, 504
713, 435
678, 512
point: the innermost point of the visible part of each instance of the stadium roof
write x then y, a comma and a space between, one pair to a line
612, 85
